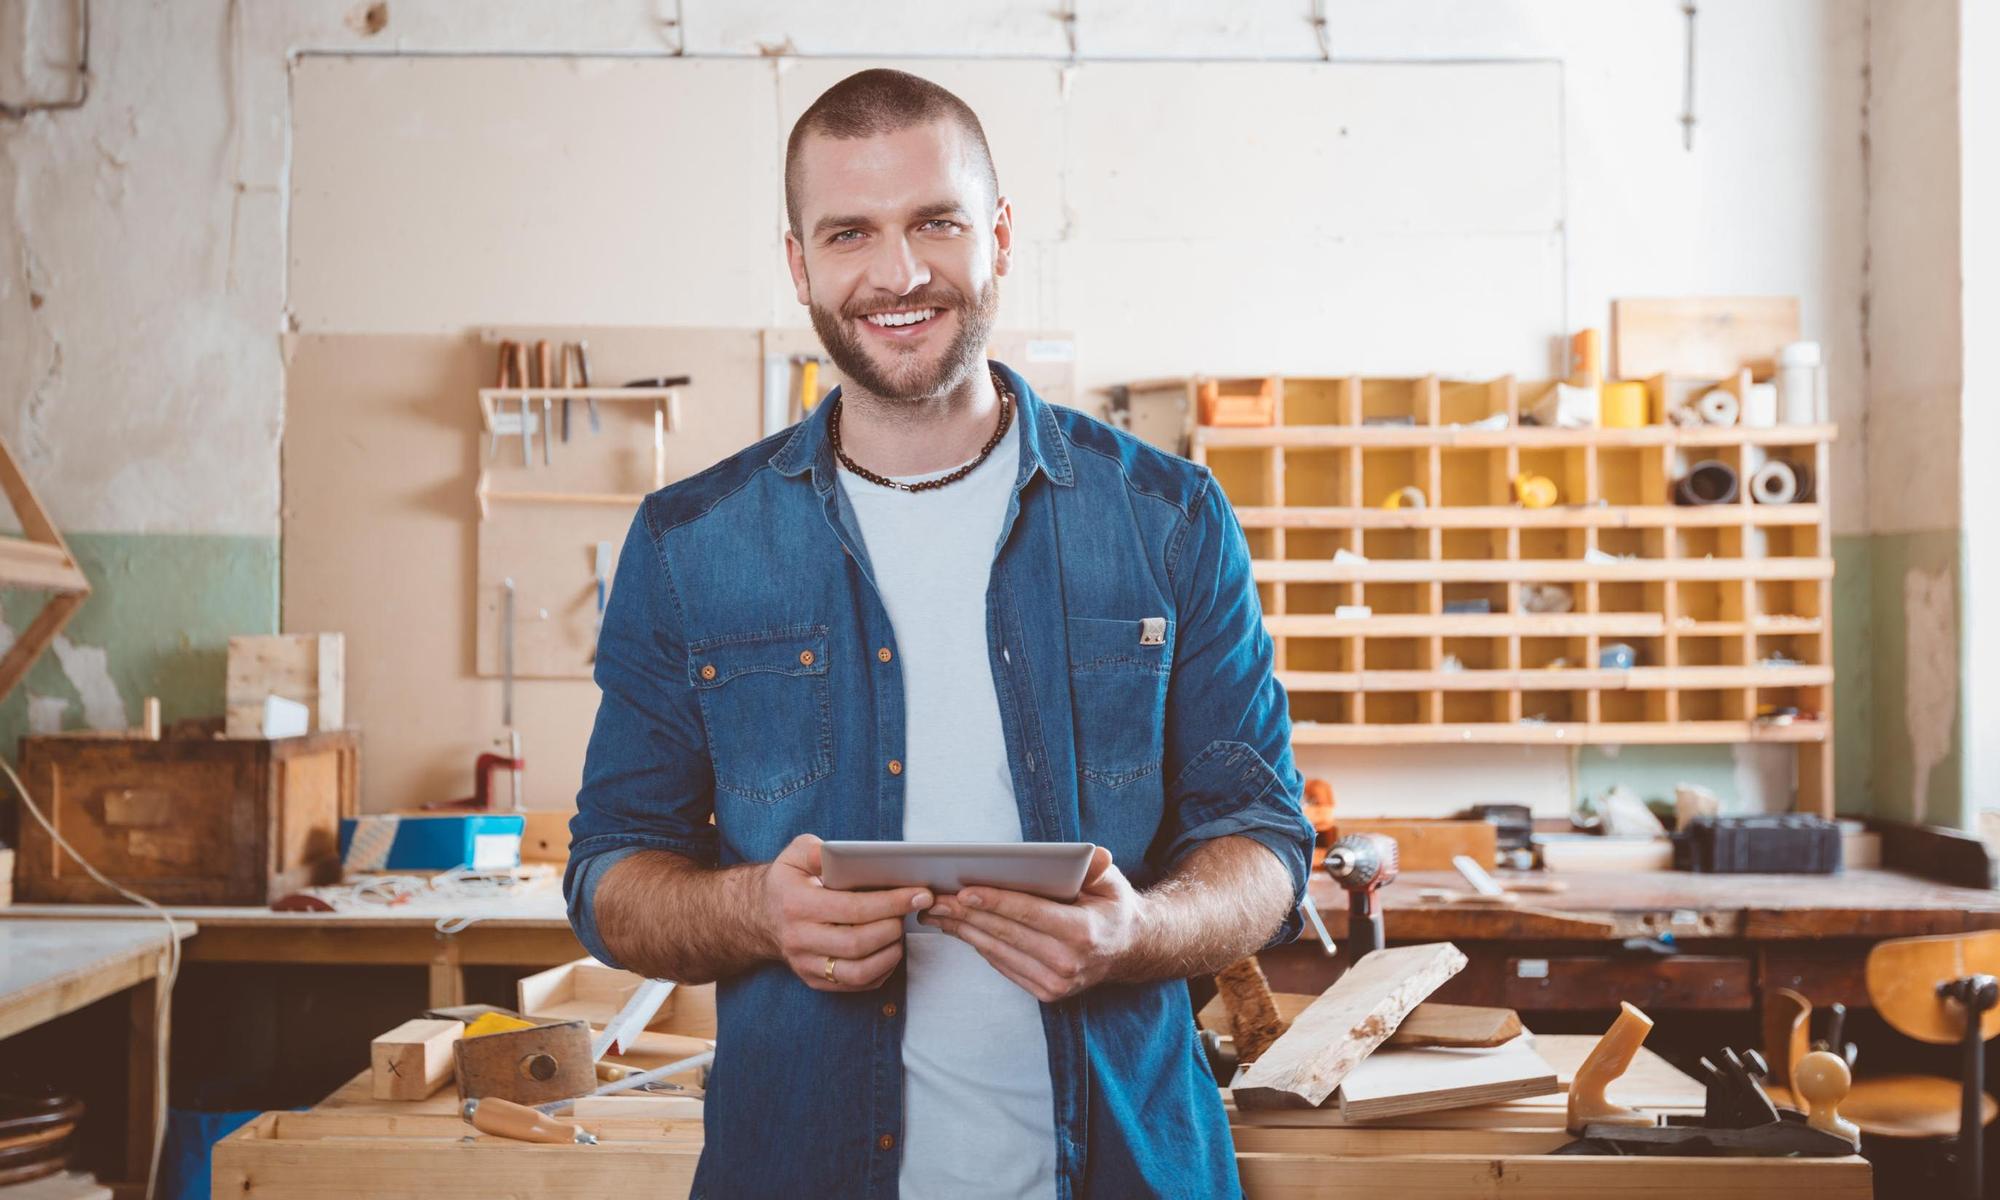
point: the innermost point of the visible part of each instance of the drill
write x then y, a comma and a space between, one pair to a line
1363, 864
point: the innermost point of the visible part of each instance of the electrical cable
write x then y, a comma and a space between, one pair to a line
162, 1020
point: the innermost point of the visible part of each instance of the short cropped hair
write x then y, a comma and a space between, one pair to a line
870, 103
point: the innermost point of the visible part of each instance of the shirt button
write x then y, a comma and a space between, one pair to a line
895, 766
708, 671
883, 654
889, 1009
886, 1142
805, 658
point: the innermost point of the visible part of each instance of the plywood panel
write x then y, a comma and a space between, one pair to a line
381, 458
431, 193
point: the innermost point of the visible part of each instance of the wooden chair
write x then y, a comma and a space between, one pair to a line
1915, 984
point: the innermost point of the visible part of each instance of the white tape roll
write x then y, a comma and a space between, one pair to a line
1775, 483
1760, 406
1718, 407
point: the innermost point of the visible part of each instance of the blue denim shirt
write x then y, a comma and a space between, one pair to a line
741, 677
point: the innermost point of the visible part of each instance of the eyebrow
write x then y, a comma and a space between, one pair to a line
942, 208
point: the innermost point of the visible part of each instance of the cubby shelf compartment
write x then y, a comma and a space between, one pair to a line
1727, 608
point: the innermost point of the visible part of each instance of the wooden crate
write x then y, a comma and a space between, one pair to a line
1709, 597
307, 667
187, 821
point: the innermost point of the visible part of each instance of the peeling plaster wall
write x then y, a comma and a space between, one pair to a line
145, 267
1916, 433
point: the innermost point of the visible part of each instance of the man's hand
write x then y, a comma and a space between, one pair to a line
832, 940
1052, 950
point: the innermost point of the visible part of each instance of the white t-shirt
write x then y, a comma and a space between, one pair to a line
978, 1105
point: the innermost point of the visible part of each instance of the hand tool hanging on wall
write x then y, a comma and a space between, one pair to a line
581, 349
504, 377
521, 381
544, 366
507, 685
568, 382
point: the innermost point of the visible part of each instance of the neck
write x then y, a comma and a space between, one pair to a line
905, 437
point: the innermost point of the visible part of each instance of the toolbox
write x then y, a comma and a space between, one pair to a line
1783, 844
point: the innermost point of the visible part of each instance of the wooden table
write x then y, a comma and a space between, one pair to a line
522, 931
1737, 936
52, 967
353, 1144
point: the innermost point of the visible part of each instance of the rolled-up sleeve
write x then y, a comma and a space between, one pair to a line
647, 780
1229, 729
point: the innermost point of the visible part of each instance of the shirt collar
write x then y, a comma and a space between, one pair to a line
1042, 445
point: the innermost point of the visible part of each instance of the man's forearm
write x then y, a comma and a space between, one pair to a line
666, 917
1221, 903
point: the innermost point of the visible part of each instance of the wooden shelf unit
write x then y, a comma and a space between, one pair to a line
1706, 596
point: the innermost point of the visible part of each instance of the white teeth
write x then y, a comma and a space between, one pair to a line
891, 320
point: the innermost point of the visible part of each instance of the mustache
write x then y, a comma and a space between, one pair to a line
944, 297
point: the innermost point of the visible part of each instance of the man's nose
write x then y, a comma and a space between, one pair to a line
896, 268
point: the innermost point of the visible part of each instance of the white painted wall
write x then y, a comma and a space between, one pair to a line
147, 391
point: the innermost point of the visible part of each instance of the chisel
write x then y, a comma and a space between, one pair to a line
504, 379
568, 382
521, 381
583, 381
546, 365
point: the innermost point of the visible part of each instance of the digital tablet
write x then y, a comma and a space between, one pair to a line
1051, 869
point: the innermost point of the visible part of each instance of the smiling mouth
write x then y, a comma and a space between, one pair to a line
902, 322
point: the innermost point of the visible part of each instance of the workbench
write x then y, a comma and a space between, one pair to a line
351, 1143
523, 931
1735, 936
49, 968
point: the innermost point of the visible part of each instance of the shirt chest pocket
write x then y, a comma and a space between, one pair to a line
768, 707
1118, 671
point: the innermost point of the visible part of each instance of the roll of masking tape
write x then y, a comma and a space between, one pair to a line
1534, 491
1405, 497
1622, 404
1775, 483
1707, 482
1718, 407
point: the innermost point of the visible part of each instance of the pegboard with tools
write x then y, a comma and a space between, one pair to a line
564, 463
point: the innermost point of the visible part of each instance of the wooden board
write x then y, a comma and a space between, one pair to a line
1468, 1025
1701, 337
1402, 1082
1431, 845
585, 990
309, 668
1429, 1023
1363, 1007
413, 1060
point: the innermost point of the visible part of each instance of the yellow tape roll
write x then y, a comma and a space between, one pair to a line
1405, 497
1622, 404
1534, 491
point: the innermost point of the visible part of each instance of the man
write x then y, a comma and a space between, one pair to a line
937, 609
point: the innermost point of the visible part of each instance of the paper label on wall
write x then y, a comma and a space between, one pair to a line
1051, 350
495, 851
1532, 968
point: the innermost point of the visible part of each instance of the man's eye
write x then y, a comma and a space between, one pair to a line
844, 235
940, 223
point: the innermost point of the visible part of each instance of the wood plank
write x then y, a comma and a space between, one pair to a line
387, 1168
1434, 1024
413, 1060
1404, 1082
1362, 1008
1707, 337
1368, 1140
1550, 1177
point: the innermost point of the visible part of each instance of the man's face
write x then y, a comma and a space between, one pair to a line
897, 258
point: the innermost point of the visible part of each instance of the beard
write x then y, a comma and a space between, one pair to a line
909, 379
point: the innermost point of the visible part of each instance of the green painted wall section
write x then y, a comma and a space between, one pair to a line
162, 609
1933, 679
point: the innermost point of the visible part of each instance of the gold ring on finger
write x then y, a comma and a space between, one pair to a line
829, 970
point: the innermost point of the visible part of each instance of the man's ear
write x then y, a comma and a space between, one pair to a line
1003, 236
795, 260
